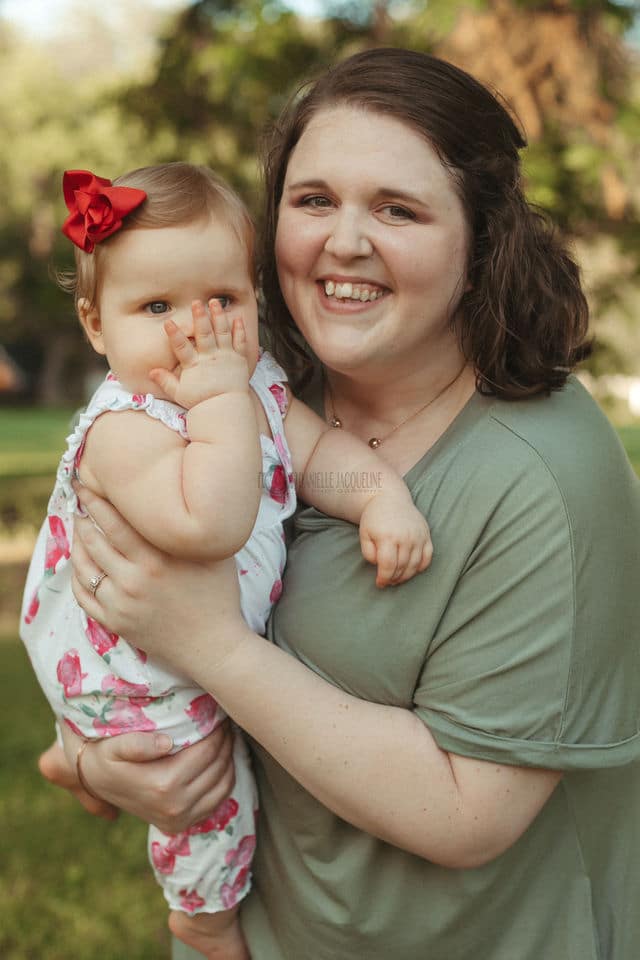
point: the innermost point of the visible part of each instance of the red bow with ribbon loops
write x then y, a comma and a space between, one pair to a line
96, 208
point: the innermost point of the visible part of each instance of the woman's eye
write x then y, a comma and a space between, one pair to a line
315, 202
396, 212
157, 306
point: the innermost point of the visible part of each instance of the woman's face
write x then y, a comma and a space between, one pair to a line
371, 244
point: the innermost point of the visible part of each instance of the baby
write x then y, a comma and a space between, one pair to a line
195, 438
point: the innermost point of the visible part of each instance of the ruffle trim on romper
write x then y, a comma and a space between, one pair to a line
109, 397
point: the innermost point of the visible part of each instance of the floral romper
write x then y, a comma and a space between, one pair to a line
100, 686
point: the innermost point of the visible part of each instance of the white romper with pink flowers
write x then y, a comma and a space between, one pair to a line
100, 686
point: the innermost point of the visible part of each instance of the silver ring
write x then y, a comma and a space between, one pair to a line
95, 582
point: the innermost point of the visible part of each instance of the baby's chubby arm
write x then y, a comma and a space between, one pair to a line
199, 499
393, 533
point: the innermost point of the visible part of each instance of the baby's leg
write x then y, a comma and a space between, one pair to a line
205, 871
217, 936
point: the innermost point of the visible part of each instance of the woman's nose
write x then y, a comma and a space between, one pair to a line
348, 238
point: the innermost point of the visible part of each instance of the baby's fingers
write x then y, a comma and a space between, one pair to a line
202, 328
426, 555
239, 336
368, 549
387, 563
180, 344
167, 381
221, 326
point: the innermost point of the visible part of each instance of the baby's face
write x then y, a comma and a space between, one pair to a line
152, 274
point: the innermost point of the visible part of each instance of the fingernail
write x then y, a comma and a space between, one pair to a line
163, 742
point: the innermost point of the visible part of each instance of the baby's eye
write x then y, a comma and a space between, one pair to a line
157, 306
223, 300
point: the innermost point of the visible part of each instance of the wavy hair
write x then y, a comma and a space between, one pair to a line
523, 319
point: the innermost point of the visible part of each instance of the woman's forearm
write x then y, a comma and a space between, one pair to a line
376, 766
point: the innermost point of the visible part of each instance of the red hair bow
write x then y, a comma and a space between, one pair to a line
96, 208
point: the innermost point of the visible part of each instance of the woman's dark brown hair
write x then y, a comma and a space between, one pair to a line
523, 319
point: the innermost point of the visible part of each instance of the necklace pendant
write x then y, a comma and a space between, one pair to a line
374, 443
335, 422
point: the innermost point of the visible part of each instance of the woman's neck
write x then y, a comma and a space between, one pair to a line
403, 416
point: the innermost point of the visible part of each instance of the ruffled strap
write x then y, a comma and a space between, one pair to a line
110, 397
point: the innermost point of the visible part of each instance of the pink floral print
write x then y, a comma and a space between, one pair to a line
203, 710
276, 591
277, 484
190, 900
242, 854
69, 673
219, 819
120, 716
164, 858
116, 686
57, 545
33, 608
229, 892
101, 640
279, 394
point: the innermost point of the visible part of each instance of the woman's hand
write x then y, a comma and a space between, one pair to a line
135, 772
55, 767
174, 609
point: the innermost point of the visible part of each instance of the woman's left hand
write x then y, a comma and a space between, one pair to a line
55, 768
172, 608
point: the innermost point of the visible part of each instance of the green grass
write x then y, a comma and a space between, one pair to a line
32, 440
70, 885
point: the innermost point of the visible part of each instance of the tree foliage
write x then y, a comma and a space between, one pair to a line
223, 69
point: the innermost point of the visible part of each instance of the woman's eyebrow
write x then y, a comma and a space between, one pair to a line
398, 194
308, 185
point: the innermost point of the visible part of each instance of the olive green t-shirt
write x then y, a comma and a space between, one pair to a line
520, 644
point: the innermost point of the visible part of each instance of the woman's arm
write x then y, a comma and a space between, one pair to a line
395, 783
393, 533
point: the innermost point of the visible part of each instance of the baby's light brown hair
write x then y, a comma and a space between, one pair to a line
177, 194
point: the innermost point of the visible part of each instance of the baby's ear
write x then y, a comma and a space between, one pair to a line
90, 322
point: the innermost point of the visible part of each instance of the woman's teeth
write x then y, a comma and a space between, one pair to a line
350, 291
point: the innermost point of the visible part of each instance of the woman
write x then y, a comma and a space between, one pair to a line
451, 766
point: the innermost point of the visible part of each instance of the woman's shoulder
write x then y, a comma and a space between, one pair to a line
562, 439
567, 436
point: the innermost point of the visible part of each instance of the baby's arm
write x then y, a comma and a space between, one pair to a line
196, 499
341, 476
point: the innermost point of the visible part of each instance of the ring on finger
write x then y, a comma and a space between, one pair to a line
95, 581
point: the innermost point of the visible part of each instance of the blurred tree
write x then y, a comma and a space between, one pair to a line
57, 111
222, 72
562, 65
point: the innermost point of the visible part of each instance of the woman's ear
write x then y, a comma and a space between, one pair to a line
90, 321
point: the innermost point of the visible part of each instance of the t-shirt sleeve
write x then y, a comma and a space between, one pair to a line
519, 670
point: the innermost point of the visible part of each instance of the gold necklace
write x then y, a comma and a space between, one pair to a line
375, 442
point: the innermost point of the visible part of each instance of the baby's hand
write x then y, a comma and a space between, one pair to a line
213, 362
395, 536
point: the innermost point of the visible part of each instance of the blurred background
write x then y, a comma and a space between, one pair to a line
116, 85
